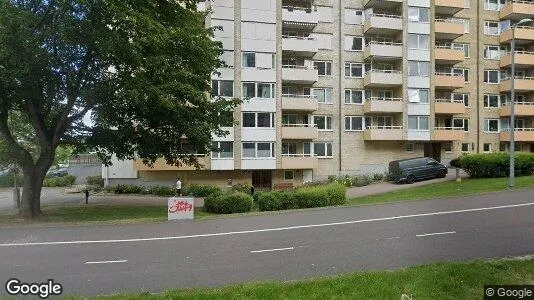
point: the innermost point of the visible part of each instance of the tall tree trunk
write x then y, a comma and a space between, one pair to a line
33, 177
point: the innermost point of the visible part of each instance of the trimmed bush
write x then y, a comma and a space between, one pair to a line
455, 163
96, 181
228, 203
198, 190
241, 187
496, 165
305, 197
62, 181
378, 177
160, 190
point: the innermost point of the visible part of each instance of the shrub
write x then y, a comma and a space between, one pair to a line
378, 177
455, 163
241, 187
305, 197
160, 190
128, 189
96, 181
198, 190
228, 203
496, 165
62, 181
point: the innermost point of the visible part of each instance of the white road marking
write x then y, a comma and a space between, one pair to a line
393, 238
436, 233
272, 250
106, 262
82, 242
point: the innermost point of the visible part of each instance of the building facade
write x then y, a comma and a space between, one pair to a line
335, 87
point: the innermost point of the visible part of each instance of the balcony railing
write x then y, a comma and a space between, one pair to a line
292, 8
384, 71
517, 27
301, 67
449, 101
297, 155
383, 127
517, 77
383, 16
518, 103
383, 99
449, 128
298, 37
522, 129
451, 20
439, 73
383, 43
299, 125
299, 96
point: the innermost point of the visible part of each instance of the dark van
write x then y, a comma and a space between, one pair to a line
413, 169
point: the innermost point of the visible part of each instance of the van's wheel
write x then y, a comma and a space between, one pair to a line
410, 179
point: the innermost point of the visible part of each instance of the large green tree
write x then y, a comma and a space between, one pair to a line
140, 68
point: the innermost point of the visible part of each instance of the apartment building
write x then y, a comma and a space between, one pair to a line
334, 87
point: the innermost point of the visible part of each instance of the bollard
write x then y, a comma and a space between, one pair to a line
87, 196
458, 178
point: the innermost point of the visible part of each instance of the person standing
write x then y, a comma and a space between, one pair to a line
178, 187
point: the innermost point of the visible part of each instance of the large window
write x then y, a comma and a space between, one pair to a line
494, 4
259, 90
491, 101
491, 28
418, 14
461, 122
322, 149
418, 123
222, 88
258, 119
354, 43
418, 68
492, 76
354, 96
354, 123
418, 41
461, 97
249, 60
418, 96
323, 122
462, 72
323, 67
258, 150
355, 70
222, 150
487, 147
324, 95
494, 51
491, 125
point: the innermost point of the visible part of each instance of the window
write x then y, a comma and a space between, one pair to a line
494, 4
324, 95
418, 95
354, 123
249, 60
354, 96
491, 101
492, 76
418, 68
461, 97
222, 88
259, 90
409, 147
491, 28
447, 147
494, 51
465, 147
464, 47
491, 125
354, 43
323, 67
260, 119
289, 119
258, 150
289, 175
461, 72
354, 70
418, 41
418, 123
322, 149
353, 16
323, 122
222, 150
487, 147
418, 14
461, 123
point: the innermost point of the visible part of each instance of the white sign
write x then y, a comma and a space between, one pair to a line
181, 208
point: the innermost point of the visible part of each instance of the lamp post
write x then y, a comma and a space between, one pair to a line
511, 183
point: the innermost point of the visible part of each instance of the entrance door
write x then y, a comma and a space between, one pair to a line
532, 148
262, 179
433, 150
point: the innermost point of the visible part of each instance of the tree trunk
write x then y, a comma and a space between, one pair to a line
30, 207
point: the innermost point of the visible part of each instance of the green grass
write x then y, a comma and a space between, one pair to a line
445, 189
435, 281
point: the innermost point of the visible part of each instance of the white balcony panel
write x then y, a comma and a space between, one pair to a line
418, 82
419, 3
224, 74
259, 75
258, 134
222, 164
299, 15
418, 109
420, 55
223, 12
253, 45
259, 105
307, 46
418, 135
228, 138
257, 15
258, 164
420, 28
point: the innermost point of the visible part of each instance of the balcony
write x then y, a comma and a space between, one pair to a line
446, 54
299, 16
517, 10
449, 134
449, 107
383, 24
448, 81
449, 29
299, 102
520, 135
299, 132
382, 78
299, 74
382, 51
521, 84
303, 46
383, 105
523, 59
299, 161
520, 109
161, 165
449, 7
382, 4
521, 33
383, 133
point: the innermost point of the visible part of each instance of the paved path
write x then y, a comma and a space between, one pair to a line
92, 260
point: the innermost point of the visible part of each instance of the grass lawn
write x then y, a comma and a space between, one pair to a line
445, 189
435, 281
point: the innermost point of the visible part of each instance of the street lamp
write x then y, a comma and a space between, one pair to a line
512, 106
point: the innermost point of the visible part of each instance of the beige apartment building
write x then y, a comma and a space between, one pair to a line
335, 87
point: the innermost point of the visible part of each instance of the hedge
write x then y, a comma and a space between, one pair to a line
198, 190
96, 181
62, 181
228, 203
497, 165
306, 197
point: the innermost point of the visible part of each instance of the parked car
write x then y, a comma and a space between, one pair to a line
57, 172
414, 169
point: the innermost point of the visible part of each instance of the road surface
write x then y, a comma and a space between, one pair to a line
89, 260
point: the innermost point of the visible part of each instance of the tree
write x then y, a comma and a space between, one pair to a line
140, 69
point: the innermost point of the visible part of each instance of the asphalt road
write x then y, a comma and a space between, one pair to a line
49, 196
93, 260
